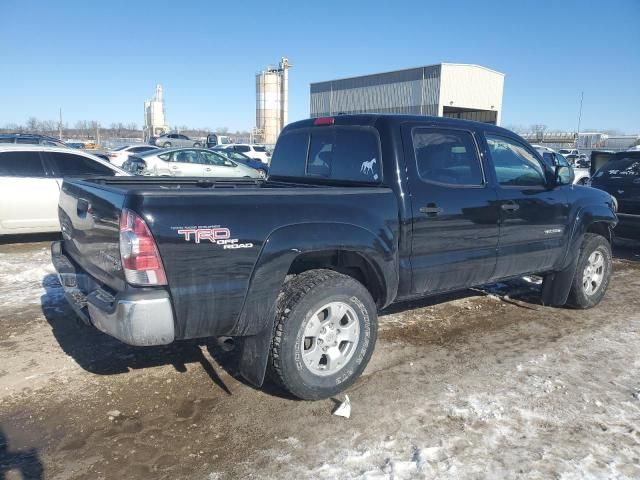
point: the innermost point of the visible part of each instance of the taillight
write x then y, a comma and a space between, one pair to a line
324, 121
140, 258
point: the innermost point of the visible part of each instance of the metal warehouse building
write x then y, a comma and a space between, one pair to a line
471, 92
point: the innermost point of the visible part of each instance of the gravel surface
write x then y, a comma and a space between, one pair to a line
482, 384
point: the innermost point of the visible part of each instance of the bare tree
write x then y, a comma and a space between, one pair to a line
32, 124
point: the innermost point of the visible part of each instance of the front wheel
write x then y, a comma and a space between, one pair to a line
325, 333
592, 273
166, 145
197, 145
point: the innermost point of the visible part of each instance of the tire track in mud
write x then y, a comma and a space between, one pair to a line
448, 383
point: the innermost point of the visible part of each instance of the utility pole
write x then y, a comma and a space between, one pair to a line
579, 118
60, 125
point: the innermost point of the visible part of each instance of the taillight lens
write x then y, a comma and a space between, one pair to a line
140, 258
324, 121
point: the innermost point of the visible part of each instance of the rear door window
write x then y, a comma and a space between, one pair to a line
21, 164
447, 156
71, 165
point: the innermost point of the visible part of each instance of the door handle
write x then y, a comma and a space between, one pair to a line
510, 207
431, 210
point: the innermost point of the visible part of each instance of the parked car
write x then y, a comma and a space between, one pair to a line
30, 139
553, 159
169, 140
619, 174
77, 145
243, 159
214, 139
568, 151
359, 211
117, 156
187, 162
259, 152
30, 180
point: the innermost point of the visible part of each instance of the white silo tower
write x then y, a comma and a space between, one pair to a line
272, 101
154, 115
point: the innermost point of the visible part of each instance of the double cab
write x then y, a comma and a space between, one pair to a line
358, 212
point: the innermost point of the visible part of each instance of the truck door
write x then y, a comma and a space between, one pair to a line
533, 216
455, 211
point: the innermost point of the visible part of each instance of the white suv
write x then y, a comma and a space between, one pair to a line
30, 181
258, 152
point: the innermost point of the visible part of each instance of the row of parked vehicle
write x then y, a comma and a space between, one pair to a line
32, 169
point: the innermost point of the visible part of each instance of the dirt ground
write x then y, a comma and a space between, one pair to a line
485, 384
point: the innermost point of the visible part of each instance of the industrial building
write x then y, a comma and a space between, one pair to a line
154, 115
272, 102
471, 92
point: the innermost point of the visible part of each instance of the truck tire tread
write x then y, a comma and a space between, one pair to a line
292, 293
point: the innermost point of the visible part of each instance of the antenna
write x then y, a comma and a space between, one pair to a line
579, 118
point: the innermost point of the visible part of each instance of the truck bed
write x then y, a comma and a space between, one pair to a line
208, 281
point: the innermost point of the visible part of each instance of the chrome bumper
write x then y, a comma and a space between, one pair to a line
136, 316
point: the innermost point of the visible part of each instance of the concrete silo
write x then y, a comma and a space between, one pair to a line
154, 115
272, 101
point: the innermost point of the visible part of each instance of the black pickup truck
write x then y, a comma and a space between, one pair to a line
358, 212
619, 174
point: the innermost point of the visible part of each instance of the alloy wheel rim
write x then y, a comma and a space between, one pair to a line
593, 273
330, 338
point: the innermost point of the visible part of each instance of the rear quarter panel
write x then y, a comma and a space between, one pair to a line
209, 280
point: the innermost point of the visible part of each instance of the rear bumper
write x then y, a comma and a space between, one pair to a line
136, 316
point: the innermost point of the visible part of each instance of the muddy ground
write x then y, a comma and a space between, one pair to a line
485, 384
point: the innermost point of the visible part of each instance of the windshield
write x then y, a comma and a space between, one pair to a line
120, 148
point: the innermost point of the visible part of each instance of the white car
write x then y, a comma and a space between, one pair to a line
259, 152
119, 155
188, 162
568, 151
30, 181
553, 159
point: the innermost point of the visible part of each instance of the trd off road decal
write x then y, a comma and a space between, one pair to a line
212, 234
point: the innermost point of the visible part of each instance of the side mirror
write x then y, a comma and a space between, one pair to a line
564, 175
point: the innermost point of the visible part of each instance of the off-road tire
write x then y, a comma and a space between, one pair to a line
300, 298
577, 296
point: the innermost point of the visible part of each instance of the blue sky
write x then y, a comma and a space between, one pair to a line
100, 60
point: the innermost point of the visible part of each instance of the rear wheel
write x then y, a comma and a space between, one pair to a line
592, 273
325, 333
166, 144
197, 145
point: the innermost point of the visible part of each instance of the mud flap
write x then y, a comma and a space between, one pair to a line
255, 354
556, 286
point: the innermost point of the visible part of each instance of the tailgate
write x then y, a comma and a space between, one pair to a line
621, 178
90, 224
